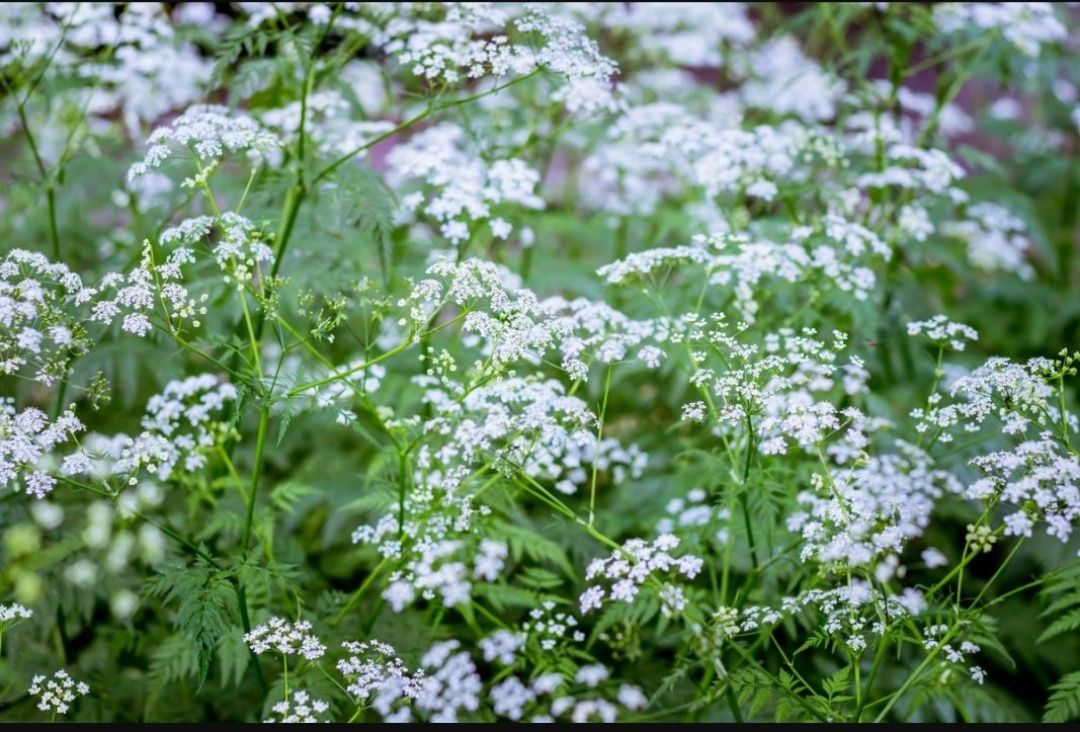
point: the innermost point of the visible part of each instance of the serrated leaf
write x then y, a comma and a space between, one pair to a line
524, 541
1064, 703
1065, 624
233, 657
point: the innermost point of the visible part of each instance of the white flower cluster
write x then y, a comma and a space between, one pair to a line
434, 569
512, 324
939, 329
437, 548
208, 132
150, 71
1028, 26
692, 514
137, 295
642, 264
551, 628
1039, 479
841, 254
58, 692
278, 635
1016, 394
473, 40
449, 683
459, 187
916, 169
633, 565
852, 612
588, 332
238, 252
13, 613
996, 239
773, 385
502, 646
661, 150
864, 515
785, 81
26, 440
180, 425
37, 324
301, 709
695, 35
526, 424
511, 698
374, 672
934, 637
330, 123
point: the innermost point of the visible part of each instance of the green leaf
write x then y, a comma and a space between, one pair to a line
540, 578
285, 496
206, 606
171, 661
524, 541
504, 596
1064, 624
1064, 702
233, 657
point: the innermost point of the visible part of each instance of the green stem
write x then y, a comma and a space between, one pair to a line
355, 597
744, 494
599, 439
293, 198
245, 623
54, 234
344, 374
260, 442
915, 674
331, 167
733, 703
879, 657
403, 489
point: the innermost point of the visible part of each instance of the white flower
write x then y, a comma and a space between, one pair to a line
57, 693
11, 614
939, 329
592, 675
501, 646
209, 132
300, 709
279, 636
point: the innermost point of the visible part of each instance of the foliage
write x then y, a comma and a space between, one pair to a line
570, 362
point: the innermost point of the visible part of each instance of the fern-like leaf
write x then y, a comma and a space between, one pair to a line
1064, 702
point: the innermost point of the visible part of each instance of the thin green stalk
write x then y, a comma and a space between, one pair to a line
245, 623
998, 571
599, 439
733, 704
430, 110
46, 179
403, 490
355, 597
253, 339
231, 468
916, 673
54, 232
291, 207
344, 374
260, 443
744, 494
879, 657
